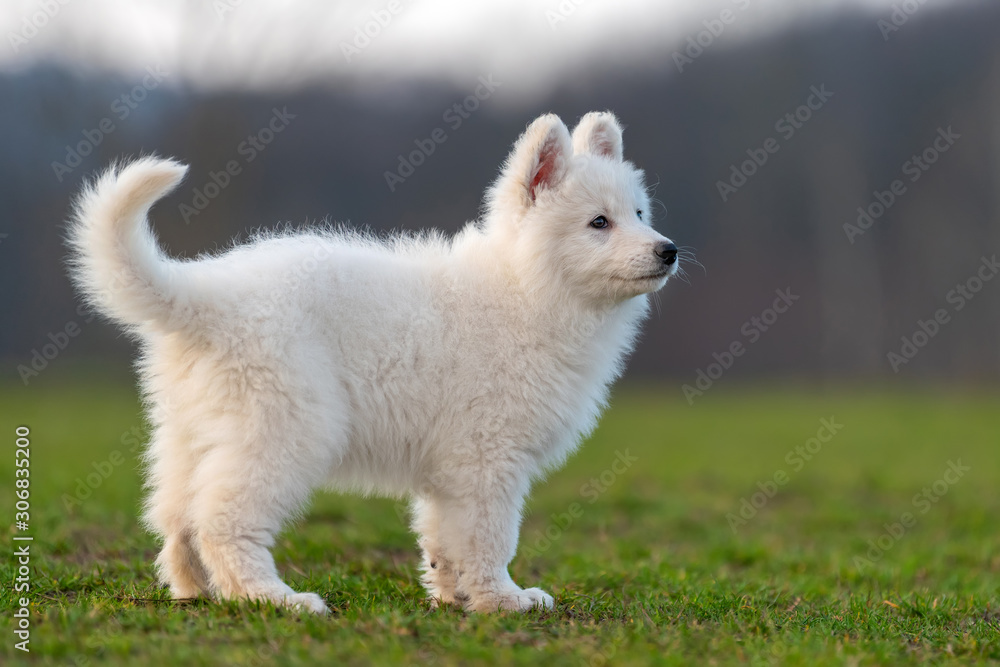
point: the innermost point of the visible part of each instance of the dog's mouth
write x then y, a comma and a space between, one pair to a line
649, 277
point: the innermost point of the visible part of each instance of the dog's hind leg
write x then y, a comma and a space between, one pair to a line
246, 489
181, 567
172, 465
439, 572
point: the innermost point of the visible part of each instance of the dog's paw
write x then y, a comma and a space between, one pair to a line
518, 600
182, 592
534, 597
307, 602
445, 595
439, 597
440, 590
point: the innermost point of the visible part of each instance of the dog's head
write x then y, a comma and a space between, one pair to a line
572, 208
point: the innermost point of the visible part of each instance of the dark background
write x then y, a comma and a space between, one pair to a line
782, 229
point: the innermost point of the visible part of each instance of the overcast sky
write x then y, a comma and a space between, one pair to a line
276, 43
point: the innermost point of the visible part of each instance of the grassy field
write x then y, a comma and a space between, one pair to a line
879, 545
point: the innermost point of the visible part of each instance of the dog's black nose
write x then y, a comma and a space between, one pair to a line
667, 252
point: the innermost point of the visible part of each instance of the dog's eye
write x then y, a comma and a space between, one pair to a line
600, 222
639, 213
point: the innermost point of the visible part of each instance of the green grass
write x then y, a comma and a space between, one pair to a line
649, 571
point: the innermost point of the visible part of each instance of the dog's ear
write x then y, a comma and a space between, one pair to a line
539, 161
598, 133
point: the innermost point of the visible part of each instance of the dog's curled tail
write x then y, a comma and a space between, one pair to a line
115, 259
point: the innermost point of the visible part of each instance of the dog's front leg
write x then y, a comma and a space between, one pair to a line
479, 530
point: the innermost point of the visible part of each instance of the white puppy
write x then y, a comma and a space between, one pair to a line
455, 371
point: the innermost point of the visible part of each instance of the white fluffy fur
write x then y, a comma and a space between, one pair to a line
455, 371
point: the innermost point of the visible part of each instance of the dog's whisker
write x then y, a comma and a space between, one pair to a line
655, 202
686, 254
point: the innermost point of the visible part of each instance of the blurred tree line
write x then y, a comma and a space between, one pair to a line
803, 217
